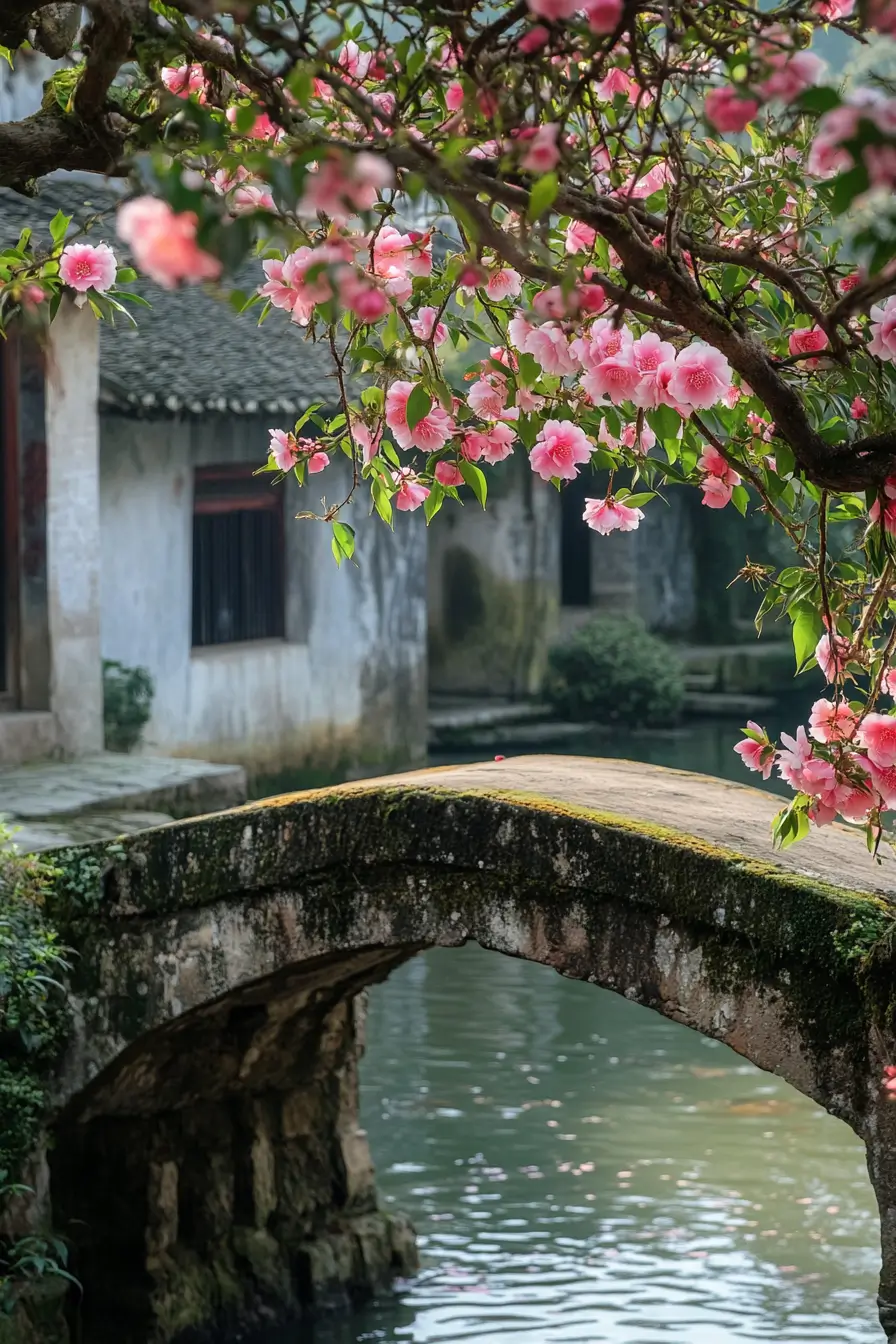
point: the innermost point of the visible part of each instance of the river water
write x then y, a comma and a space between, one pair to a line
581, 1170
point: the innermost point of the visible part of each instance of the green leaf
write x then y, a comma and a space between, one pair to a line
847, 186
529, 370
807, 630
475, 479
419, 406
543, 195
635, 501
381, 501
343, 542
306, 416
6, 54
434, 501
59, 227
820, 99
740, 498
664, 422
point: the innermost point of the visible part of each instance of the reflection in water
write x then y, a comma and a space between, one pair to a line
581, 1170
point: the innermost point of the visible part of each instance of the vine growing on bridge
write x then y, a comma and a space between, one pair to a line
33, 1028
659, 238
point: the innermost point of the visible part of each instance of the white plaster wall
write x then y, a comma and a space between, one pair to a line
349, 681
73, 547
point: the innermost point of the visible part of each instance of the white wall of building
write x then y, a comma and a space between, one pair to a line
349, 680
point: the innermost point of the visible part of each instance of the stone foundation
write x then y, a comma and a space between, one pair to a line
247, 1203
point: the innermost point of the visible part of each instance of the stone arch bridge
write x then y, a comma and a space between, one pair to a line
205, 1154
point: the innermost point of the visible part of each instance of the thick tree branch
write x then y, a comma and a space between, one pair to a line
50, 140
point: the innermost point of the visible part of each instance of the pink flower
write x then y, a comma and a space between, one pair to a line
610, 515
184, 80
702, 376
720, 481
488, 396
422, 327
831, 10
640, 185
805, 342
793, 759
283, 449
880, 160
617, 81
559, 449
396, 255
629, 438
716, 492
549, 347
831, 722
429, 434
505, 283
84, 267
497, 443
355, 62
533, 40
888, 681
410, 493
345, 184
262, 128
449, 473
791, 74
553, 9
603, 15
316, 462
542, 153
367, 441
859, 409
884, 782
877, 734
32, 296
164, 242
831, 656
883, 330
757, 755
726, 110
365, 300
888, 1082
885, 516
848, 282
882, 16
454, 96
616, 377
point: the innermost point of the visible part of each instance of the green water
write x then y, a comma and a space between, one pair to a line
581, 1170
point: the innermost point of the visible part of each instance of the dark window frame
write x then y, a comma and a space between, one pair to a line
252, 590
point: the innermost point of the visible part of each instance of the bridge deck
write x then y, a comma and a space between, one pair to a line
732, 816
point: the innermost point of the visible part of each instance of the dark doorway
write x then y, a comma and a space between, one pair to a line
575, 543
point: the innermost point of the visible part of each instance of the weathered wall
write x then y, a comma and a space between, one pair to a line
494, 587
73, 525
347, 683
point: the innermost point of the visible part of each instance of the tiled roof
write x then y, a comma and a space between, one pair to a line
190, 353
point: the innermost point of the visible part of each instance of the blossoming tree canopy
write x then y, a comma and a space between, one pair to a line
656, 244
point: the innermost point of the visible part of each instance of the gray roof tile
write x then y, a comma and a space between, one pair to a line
190, 353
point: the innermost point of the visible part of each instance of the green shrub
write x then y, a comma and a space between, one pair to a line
613, 670
127, 701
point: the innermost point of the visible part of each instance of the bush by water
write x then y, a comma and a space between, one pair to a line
613, 670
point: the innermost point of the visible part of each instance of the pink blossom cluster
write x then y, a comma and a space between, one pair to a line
164, 244
602, 16
287, 450
730, 108
720, 480
845, 765
830, 153
300, 281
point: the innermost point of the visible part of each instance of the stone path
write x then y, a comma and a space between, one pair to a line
53, 803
